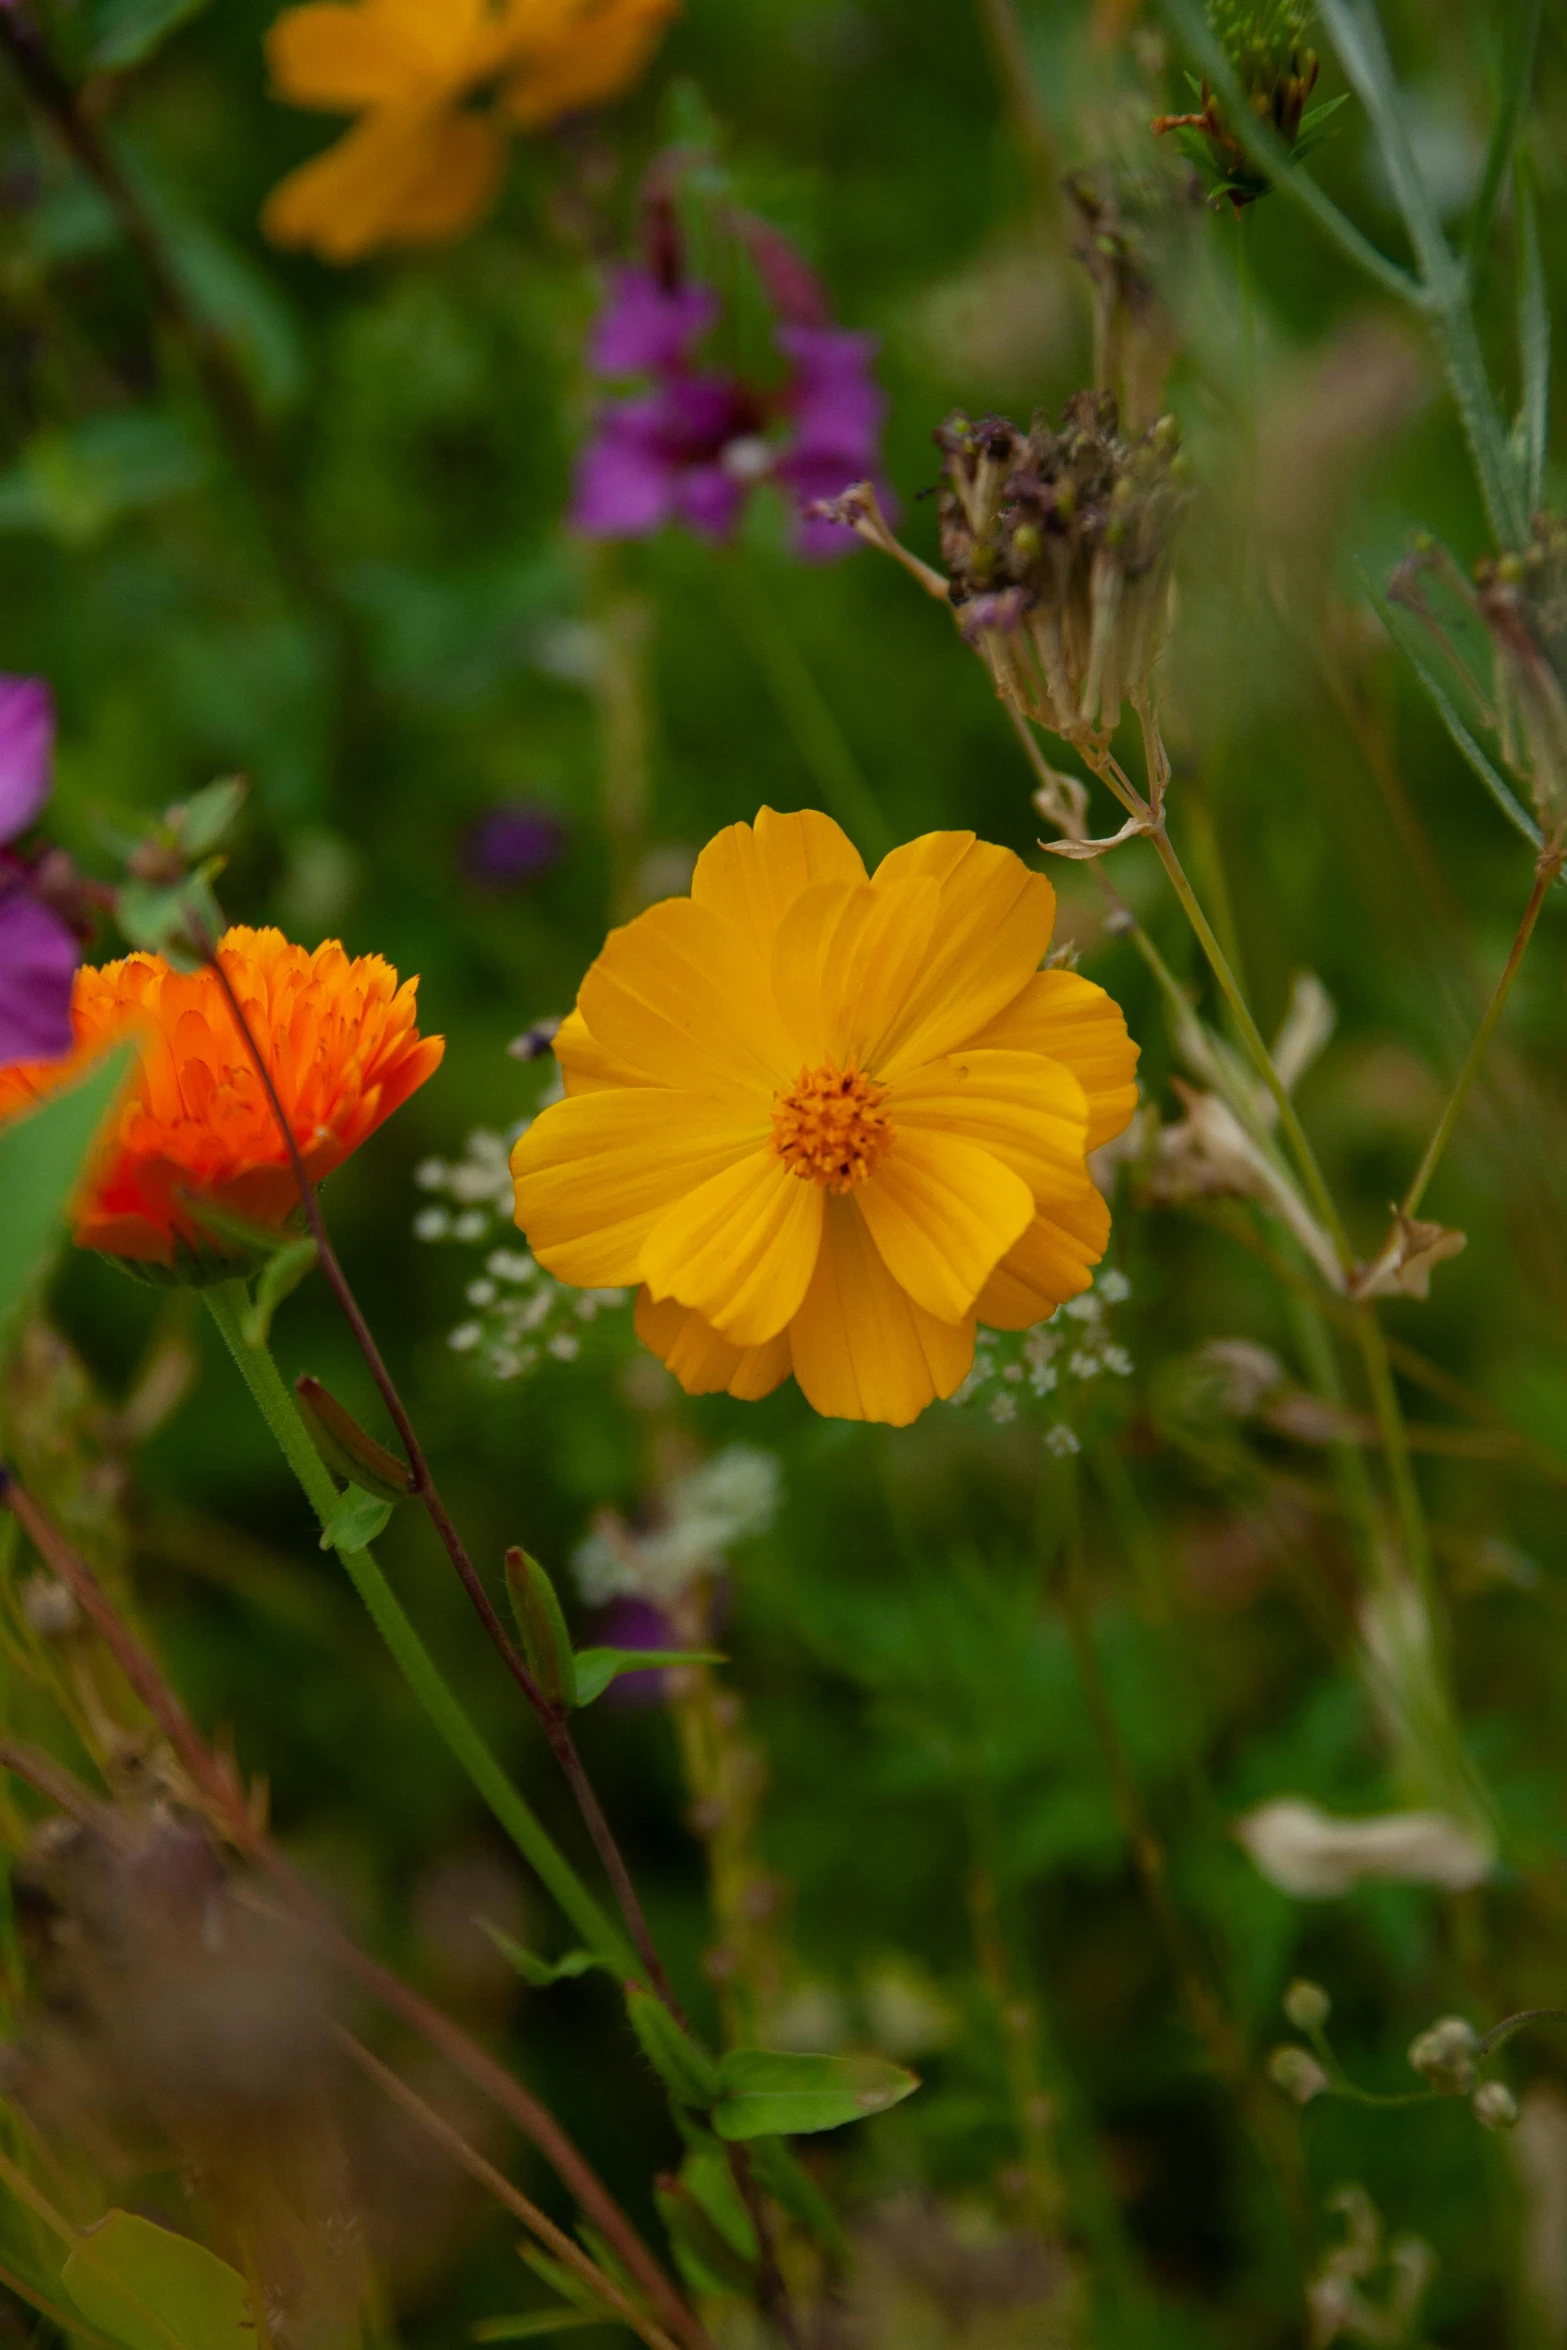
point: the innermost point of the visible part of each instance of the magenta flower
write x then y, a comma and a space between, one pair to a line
690, 448
39, 950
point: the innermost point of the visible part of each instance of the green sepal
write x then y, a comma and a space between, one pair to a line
542, 1972
781, 2174
773, 2093
348, 1450
280, 1276
356, 1521
596, 1668
682, 2064
545, 1639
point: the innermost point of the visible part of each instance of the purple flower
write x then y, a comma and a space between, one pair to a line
512, 844
684, 452
636, 1623
838, 413
647, 327
38, 949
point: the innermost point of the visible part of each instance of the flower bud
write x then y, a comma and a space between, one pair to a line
1264, 41
1495, 2106
1445, 2055
1307, 2005
1297, 2072
1058, 550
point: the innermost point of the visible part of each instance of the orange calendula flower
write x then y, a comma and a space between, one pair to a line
436, 85
194, 1125
829, 1122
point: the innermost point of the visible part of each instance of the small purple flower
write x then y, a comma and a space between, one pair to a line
647, 327
512, 844
39, 951
684, 452
839, 410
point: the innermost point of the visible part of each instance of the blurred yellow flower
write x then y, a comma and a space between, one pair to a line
828, 1123
436, 84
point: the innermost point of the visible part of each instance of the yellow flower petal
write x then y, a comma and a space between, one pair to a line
380, 53
596, 52
1054, 1260
585, 1067
1073, 1021
752, 873
844, 961
681, 995
741, 1248
862, 1348
943, 1213
409, 177
704, 1363
992, 927
594, 1175
1026, 1111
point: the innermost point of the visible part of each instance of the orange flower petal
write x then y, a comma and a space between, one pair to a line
1053, 1261
943, 1213
406, 176
992, 928
862, 1349
741, 1248
595, 1173
592, 55
1075, 1022
845, 960
680, 995
704, 1363
1026, 1111
751, 874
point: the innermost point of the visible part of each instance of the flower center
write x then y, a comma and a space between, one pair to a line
830, 1127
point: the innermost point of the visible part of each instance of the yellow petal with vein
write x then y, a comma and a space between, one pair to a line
752, 873
943, 1213
1066, 1016
1026, 1111
585, 1067
844, 961
704, 1363
741, 1248
992, 927
594, 1174
681, 995
1054, 1260
862, 1348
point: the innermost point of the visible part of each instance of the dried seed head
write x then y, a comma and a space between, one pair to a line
1058, 547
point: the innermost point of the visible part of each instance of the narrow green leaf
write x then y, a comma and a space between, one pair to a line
563, 2280
771, 2093
597, 1667
778, 2170
203, 819
1512, 102
1534, 347
541, 1972
534, 2322
126, 32
358, 1518
153, 2290
544, 1635
280, 1277
1512, 808
41, 1157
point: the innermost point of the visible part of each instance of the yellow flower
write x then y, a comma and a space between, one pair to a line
435, 83
828, 1123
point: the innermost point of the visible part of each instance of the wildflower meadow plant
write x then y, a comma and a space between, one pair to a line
903, 1444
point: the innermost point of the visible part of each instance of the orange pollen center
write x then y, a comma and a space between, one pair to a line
830, 1127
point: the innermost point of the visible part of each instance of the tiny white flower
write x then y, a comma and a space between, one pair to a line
481, 1293
465, 1337
1061, 1441
1116, 1359
432, 1224
1085, 1366
430, 1174
510, 1264
1114, 1287
1003, 1408
471, 1225
564, 1347
1083, 1309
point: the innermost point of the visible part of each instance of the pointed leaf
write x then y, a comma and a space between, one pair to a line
153, 2290
545, 1638
1534, 347
683, 2065
125, 32
358, 1518
541, 1972
534, 2322
208, 813
774, 2093
41, 1157
597, 1667
348, 1450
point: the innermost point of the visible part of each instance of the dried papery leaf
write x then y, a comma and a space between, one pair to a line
1309, 1020
1311, 1854
1412, 1251
1209, 1155
1084, 851
1063, 802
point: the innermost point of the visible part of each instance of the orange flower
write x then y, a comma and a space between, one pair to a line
339, 1041
425, 158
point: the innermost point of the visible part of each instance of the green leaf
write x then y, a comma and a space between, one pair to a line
356, 1521
683, 2065
74, 482
153, 2290
124, 33
534, 2322
1512, 808
40, 1159
1533, 430
776, 2168
597, 1667
200, 822
769, 2093
348, 1450
541, 1972
280, 1277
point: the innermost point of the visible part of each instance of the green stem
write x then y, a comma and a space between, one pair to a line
227, 1302
1545, 875
815, 732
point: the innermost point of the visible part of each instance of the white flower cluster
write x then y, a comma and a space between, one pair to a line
1017, 1371
725, 1501
522, 1317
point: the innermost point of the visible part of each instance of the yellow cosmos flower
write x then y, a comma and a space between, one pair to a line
829, 1122
436, 83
